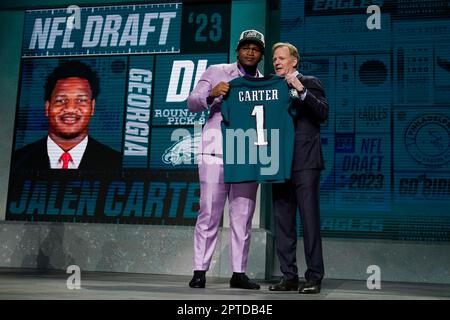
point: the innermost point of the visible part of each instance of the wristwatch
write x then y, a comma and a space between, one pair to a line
302, 92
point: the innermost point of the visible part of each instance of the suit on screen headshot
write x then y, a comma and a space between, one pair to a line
71, 90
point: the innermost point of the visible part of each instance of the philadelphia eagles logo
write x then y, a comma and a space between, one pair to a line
183, 151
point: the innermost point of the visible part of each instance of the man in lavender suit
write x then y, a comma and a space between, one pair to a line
208, 93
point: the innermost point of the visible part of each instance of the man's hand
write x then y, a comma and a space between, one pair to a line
221, 89
293, 82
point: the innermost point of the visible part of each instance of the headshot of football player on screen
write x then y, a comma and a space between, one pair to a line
70, 97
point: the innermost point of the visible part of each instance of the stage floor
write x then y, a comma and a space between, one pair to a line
30, 284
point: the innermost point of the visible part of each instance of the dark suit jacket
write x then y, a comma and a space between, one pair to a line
308, 114
97, 156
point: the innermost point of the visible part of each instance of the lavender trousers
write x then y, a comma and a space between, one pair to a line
213, 194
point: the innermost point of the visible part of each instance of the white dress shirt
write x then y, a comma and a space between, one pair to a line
55, 152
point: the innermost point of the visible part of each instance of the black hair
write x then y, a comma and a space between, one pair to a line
68, 69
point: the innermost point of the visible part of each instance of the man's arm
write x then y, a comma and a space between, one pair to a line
198, 99
315, 99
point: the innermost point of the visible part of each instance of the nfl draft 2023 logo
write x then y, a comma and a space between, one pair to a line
427, 139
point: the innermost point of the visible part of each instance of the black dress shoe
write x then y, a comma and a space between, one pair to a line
241, 281
198, 280
309, 287
285, 285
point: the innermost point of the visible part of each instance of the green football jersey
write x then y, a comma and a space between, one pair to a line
257, 130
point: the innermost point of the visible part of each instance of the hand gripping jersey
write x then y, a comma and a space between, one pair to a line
257, 130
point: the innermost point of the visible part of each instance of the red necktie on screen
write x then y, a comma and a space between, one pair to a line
65, 158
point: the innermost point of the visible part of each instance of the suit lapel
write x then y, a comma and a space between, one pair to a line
85, 160
39, 155
234, 71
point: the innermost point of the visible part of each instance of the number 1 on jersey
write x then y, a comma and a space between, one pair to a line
258, 112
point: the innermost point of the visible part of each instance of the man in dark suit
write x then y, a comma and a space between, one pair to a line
70, 93
302, 191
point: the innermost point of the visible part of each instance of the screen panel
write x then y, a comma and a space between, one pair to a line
146, 58
387, 146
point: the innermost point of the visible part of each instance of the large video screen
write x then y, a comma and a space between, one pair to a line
120, 110
386, 74
387, 140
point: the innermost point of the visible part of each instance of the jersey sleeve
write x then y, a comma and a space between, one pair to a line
227, 103
225, 109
